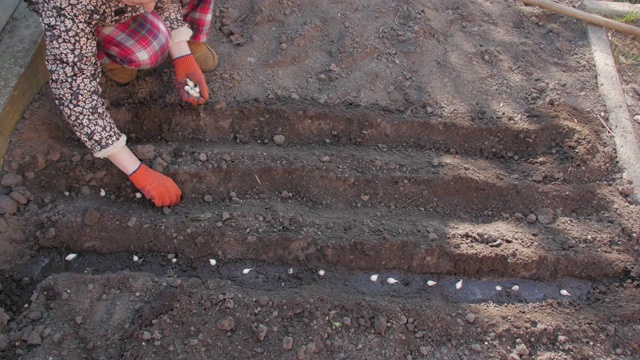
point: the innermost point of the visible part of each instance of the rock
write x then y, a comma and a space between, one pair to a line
261, 332
521, 349
545, 216
35, 315
263, 300
34, 338
4, 318
54, 154
78, 320
91, 217
4, 227
144, 152
532, 218
8, 205
50, 233
4, 343
287, 343
232, 15
57, 338
237, 39
19, 198
10, 180
226, 324
627, 190
279, 140
146, 335
380, 324
471, 318
476, 347
85, 190
225, 216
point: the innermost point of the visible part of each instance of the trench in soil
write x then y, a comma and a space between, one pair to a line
354, 192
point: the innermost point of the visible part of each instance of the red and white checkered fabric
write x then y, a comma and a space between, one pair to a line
142, 42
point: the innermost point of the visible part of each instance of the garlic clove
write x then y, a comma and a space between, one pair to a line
459, 284
70, 257
135, 258
321, 272
564, 292
174, 260
374, 277
392, 281
138, 195
431, 283
246, 271
498, 288
515, 288
212, 262
190, 83
102, 192
290, 271
193, 93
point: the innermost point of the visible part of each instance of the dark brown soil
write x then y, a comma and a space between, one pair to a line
456, 142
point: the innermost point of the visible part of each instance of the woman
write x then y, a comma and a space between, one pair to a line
85, 37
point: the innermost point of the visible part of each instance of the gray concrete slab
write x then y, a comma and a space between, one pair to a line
7, 7
625, 138
22, 69
609, 8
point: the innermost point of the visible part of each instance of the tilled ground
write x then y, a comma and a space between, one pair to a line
454, 142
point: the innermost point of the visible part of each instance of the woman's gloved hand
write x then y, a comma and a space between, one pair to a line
156, 187
187, 68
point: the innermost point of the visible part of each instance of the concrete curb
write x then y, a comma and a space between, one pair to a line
627, 146
22, 69
619, 118
609, 8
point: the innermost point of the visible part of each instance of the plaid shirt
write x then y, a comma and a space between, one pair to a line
71, 30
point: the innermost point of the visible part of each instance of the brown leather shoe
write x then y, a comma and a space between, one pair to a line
206, 58
118, 73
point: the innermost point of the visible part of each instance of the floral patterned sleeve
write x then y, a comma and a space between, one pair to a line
69, 28
171, 14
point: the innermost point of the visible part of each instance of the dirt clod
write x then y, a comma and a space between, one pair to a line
8, 205
226, 323
261, 332
380, 324
91, 217
545, 216
287, 343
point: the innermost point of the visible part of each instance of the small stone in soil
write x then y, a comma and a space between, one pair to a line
91, 217
471, 318
287, 343
19, 198
279, 140
545, 216
10, 180
226, 324
261, 332
380, 324
8, 205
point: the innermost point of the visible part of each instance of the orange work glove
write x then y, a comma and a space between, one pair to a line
156, 187
187, 68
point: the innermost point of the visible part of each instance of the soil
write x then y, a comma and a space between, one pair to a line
369, 180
